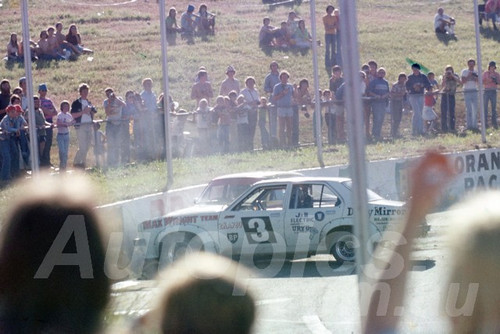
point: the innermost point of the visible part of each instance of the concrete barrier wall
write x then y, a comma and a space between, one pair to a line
475, 170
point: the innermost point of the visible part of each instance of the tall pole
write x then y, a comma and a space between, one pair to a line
317, 104
352, 98
29, 86
479, 72
166, 100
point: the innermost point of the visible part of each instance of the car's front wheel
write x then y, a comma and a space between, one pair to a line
342, 246
175, 246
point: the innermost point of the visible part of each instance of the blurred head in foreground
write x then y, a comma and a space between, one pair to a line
52, 277
475, 242
204, 293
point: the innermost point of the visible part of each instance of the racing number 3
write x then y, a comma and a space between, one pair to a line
258, 229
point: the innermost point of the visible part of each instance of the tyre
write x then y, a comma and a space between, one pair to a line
175, 246
342, 246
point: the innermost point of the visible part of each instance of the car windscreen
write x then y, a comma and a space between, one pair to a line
372, 196
224, 191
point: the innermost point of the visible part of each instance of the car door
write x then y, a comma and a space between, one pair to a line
254, 225
311, 207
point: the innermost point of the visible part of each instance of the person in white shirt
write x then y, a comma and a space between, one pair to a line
469, 78
444, 24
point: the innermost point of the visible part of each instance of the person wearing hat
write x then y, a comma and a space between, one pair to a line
188, 24
491, 79
416, 85
49, 110
230, 83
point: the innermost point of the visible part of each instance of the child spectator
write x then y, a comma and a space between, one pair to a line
203, 123
263, 111
428, 113
242, 110
283, 38
171, 26
99, 146
223, 117
330, 117
63, 120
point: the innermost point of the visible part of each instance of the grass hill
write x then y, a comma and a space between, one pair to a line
126, 39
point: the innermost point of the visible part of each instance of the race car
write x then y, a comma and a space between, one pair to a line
294, 217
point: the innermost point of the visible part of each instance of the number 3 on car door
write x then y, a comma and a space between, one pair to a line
258, 229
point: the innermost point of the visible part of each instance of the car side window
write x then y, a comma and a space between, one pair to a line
324, 197
301, 197
263, 198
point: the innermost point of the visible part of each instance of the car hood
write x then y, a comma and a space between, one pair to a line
198, 209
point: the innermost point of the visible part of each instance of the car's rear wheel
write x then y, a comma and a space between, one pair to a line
342, 246
175, 246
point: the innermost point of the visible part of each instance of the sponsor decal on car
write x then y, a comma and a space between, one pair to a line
232, 237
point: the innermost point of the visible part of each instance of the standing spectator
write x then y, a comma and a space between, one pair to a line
398, 95
470, 80
449, 87
221, 112
188, 24
415, 85
252, 100
63, 120
22, 140
49, 110
4, 96
125, 131
330, 117
113, 106
242, 109
282, 97
205, 21
135, 106
263, 111
340, 114
202, 89
336, 13
491, 79
24, 98
271, 80
491, 8
230, 83
10, 127
203, 122
41, 125
171, 26
83, 112
150, 119
379, 91
330, 24
292, 23
428, 113
301, 101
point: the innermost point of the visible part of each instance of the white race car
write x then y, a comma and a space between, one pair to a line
292, 216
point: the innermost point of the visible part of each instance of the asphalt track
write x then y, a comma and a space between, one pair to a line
318, 296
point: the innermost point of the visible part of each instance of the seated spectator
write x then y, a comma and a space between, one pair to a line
292, 22
444, 24
171, 26
283, 38
43, 50
54, 47
202, 293
188, 24
301, 36
267, 33
74, 38
13, 49
205, 21
52, 267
